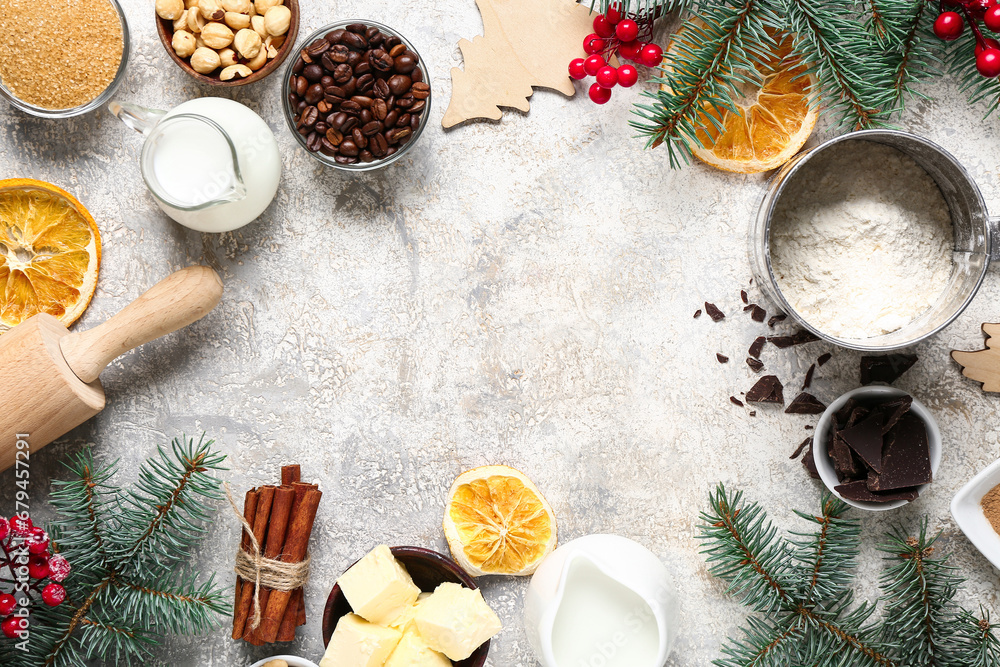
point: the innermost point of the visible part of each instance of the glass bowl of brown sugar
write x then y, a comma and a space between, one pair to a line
61, 58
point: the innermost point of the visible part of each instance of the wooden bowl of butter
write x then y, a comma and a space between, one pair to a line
403, 598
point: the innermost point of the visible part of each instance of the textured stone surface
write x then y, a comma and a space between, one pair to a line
517, 292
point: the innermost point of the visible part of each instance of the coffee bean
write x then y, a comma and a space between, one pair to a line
326, 81
371, 128
324, 107
337, 91
414, 122
366, 156
314, 142
318, 48
397, 50
418, 106
406, 101
349, 124
305, 56
405, 63
334, 36
362, 68
378, 145
354, 41
403, 120
337, 120
314, 94
334, 100
391, 151
337, 54
359, 28
301, 85
350, 87
301, 106
350, 108
366, 83
293, 99
380, 61
400, 134
417, 75
363, 101
327, 148
420, 90
298, 66
359, 138
309, 117
379, 109
374, 36
381, 89
343, 159
391, 42
304, 131
391, 118
399, 84
343, 73
349, 148
334, 137
322, 127
355, 58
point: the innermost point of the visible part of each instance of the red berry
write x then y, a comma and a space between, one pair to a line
599, 94
627, 76
602, 27
978, 8
651, 55
38, 541
948, 26
38, 567
53, 595
593, 44
13, 626
4, 528
630, 50
58, 568
627, 30
576, 68
614, 14
592, 64
21, 526
7, 604
607, 77
988, 62
992, 18
988, 43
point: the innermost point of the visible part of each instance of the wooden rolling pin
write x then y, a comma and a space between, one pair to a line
48, 376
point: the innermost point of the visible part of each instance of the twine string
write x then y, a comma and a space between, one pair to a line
253, 566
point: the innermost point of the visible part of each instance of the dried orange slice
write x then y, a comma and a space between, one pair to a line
50, 253
496, 521
773, 121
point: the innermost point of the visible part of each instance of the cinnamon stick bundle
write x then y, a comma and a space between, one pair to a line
242, 610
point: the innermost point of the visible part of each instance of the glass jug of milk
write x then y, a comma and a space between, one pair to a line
212, 164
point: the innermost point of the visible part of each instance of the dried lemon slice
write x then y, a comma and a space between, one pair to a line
496, 521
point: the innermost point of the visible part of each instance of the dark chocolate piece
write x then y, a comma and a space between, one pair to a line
846, 465
894, 410
805, 404
886, 368
697, 313
809, 463
809, 427
823, 358
767, 390
758, 314
756, 364
798, 338
802, 445
780, 317
844, 413
714, 312
721, 357
865, 439
858, 492
907, 458
756, 347
809, 377
743, 295
857, 415
735, 401
753, 413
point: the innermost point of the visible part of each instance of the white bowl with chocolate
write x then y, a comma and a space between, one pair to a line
877, 448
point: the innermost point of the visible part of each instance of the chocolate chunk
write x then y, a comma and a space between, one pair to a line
809, 463
886, 368
907, 458
735, 401
858, 414
858, 492
809, 377
844, 413
780, 317
743, 295
802, 445
697, 313
809, 427
721, 357
714, 312
823, 358
845, 464
767, 390
756, 364
757, 347
758, 314
865, 439
798, 338
894, 410
753, 413
805, 404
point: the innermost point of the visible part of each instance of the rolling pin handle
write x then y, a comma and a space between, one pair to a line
171, 304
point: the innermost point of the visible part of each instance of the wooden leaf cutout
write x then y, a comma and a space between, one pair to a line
525, 44
983, 365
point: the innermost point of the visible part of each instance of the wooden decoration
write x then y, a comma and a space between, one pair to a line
525, 44
983, 365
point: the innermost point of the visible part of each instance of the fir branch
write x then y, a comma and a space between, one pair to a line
973, 642
180, 606
765, 642
913, 50
828, 555
89, 499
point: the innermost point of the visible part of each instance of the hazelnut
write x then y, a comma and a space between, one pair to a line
247, 43
211, 10
259, 60
181, 22
183, 43
169, 9
274, 41
205, 61
238, 6
227, 57
257, 23
272, 52
195, 21
277, 20
237, 21
217, 35
234, 71
263, 5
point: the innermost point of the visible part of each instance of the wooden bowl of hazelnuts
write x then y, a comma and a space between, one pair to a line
228, 43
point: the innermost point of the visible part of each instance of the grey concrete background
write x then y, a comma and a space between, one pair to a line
517, 292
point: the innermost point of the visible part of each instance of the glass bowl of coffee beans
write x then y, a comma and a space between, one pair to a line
357, 96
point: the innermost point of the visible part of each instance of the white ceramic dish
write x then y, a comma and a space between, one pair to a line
969, 515
293, 661
825, 467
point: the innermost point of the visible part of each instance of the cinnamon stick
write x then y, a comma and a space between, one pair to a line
291, 473
249, 513
296, 547
295, 614
277, 528
243, 608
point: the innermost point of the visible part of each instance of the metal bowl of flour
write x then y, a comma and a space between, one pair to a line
975, 238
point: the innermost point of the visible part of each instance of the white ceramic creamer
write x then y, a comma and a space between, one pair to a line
601, 601
212, 164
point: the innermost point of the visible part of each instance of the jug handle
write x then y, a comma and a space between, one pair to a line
139, 118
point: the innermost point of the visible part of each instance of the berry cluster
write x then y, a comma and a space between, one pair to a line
950, 24
25, 555
626, 36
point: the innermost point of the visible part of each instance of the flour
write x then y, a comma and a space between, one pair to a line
861, 241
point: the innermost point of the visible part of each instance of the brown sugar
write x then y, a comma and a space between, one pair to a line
59, 54
991, 507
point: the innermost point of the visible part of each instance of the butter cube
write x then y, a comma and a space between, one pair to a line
378, 587
413, 652
405, 620
456, 620
358, 643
